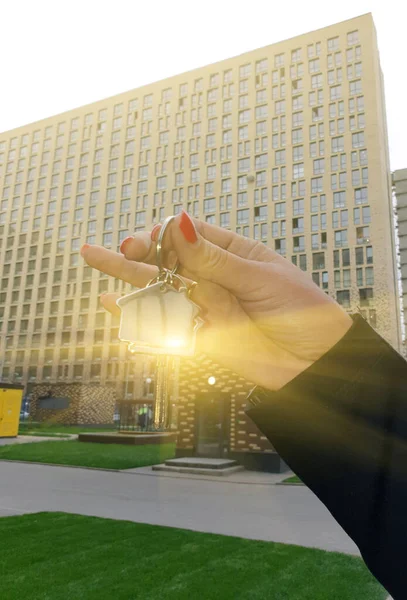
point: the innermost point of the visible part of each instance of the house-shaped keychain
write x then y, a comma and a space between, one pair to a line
159, 319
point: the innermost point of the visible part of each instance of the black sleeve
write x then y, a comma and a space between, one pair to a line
341, 426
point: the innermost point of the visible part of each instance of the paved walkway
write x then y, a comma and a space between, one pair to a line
245, 477
253, 510
27, 439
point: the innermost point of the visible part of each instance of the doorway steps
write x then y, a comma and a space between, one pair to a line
218, 467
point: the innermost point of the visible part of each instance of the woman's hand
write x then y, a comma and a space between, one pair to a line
264, 318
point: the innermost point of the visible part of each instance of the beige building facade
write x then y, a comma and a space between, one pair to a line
399, 179
286, 144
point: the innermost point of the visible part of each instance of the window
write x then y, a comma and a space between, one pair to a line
361, 196
280, 157
261, 111
342, 180
365, 296
296, 136
279, 107
245, 70
298, 171
317, 113
299, 243
261, 161
343, 298
335, 92
359, 256
355, 87
369, 276
333, 44
280, 246
358, 139
318, 260
314, 65
316, 184
261, 178
319, 166
298, 225
352, 38
244, 116
210, 140
260, 213
209, 205
161, 184
362, 235
366, 217
341, 238
279, 210
337, 144
298, 207
279, 60
242, 182
346, 278
226, 185
243, 216
316, 81
179, 179
296, 55
242, 199
298, 153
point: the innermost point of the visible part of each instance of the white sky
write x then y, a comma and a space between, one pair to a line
56, 56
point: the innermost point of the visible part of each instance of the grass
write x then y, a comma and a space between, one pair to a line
44, 434
31, 428
293, 479
84, 454
56, 556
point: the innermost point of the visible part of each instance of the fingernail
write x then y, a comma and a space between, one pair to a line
84, 247
188, 228
155, 231
125, 243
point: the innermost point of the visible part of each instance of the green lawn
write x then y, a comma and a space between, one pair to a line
29, 428
55, 556
84, 454
293, 479
44, 434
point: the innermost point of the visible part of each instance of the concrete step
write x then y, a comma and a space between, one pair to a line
196, 462
199, 471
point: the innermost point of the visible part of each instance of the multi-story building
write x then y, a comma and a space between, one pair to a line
399, 179
286, 144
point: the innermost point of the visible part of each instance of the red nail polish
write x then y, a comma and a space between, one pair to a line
125, 243
155, 231
188, 228
84, 247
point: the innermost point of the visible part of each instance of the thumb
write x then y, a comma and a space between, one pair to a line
206, 260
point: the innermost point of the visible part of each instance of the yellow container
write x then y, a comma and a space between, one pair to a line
10, 405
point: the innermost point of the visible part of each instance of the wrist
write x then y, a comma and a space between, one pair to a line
290, 365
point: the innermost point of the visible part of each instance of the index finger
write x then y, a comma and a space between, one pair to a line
141, 247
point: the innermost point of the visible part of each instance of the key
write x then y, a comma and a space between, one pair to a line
162, 320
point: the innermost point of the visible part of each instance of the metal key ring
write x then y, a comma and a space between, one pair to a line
162, 271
